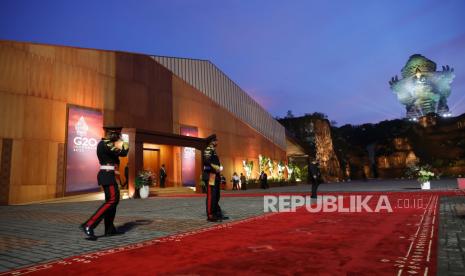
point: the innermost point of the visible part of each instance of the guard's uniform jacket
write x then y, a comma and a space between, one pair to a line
211, 177
108, 155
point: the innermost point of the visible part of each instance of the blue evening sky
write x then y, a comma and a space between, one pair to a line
334, 57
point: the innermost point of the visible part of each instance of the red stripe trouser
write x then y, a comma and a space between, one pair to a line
212, 200
107, 210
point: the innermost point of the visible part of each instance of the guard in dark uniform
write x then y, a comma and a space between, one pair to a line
314, 174
109, 149
211, 176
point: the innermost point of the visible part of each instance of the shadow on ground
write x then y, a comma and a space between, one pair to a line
129, 226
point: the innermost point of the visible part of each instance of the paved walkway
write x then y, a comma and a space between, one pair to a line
39, 233
451, 255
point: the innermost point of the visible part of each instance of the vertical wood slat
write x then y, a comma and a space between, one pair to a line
60, 173
5, 168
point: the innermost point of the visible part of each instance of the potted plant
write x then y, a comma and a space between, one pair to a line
425, 175
144, 180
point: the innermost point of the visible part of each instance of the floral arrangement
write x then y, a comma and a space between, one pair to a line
281, 168
290, 170
271, 167
262, 162
144, 178
425, 174
248, 167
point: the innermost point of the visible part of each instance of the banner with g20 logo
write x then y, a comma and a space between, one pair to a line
84, 129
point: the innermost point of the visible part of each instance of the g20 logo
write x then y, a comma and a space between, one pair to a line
189, 152
85, 142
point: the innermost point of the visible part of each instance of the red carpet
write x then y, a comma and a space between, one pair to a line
399, 243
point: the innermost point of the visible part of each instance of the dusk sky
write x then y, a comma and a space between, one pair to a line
334, 57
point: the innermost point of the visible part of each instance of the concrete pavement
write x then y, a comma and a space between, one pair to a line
40, 233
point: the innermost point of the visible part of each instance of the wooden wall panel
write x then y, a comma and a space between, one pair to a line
31, 172
58, 122
44, 51
143, 95
13, 70
11, 115
107, 64
37, 118
88, 59
28, 193
108, 88
237, 140
61, 82
40, 76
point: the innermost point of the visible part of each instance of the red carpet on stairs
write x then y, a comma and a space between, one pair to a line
399, 243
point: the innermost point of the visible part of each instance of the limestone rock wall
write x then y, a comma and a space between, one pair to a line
325, 154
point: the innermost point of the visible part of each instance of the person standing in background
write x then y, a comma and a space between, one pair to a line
243, 182
263, 180
163, 176
314, 174
235, 181
223, 182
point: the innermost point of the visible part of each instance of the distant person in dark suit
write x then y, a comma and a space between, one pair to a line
243, 182
163, 176
126, 176
263, 180
314, 174
223, 182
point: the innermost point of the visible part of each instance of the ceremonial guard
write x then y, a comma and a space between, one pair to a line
211, 176
109, 149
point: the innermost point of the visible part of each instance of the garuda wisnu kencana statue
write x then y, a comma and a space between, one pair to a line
422, 89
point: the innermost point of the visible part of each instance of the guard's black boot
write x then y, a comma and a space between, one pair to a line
212, 219
89, 232
112, 231
221, 216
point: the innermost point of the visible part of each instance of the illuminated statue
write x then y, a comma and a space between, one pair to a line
422, 89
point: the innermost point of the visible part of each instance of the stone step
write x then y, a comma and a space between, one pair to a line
156, 191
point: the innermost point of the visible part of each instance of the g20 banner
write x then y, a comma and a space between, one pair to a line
188, 158
84, 130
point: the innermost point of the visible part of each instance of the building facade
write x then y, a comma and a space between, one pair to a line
166, 105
